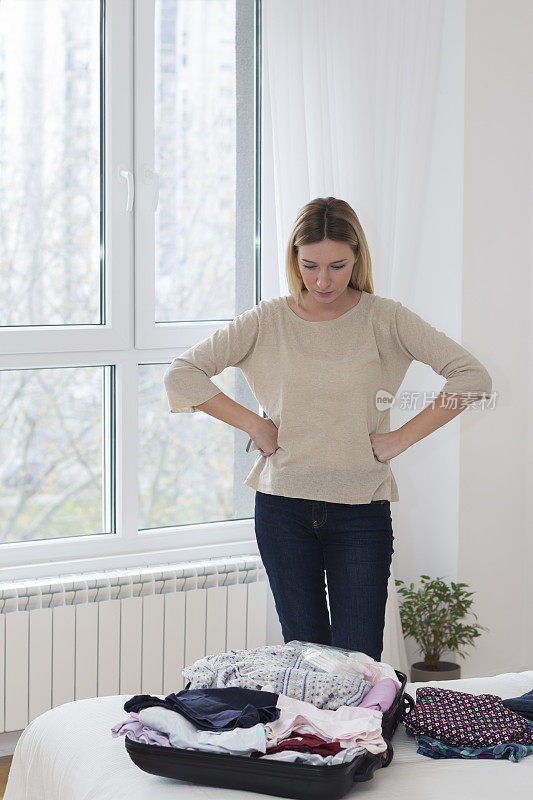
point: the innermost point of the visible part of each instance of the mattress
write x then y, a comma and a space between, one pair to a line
68, 753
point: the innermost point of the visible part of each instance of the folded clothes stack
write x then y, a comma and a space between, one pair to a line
299, 715
450, 724
296, 670
283, 668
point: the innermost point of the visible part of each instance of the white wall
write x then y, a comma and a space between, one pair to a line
495, 552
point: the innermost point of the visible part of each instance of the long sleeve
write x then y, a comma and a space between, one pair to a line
188, 378
420, 341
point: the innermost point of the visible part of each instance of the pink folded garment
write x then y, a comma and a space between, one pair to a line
381, 696
349, 725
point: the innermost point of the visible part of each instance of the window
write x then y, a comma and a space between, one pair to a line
128, 232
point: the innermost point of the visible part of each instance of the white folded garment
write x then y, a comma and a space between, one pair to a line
183, 734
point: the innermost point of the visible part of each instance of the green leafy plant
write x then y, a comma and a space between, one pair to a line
432, 616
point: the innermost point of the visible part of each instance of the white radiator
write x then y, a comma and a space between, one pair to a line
121, 632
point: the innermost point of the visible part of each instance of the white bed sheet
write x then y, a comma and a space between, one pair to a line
68, 753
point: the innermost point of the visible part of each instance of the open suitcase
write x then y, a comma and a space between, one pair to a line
280, 778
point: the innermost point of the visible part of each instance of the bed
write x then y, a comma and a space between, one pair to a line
68, 753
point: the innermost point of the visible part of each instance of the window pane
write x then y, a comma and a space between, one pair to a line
51, 445
50, 162
189, 469
195, 116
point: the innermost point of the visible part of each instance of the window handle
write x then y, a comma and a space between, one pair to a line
127, 175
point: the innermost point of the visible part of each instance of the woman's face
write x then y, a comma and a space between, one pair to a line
326, 266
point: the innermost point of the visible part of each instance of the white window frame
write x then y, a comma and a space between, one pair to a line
123, 343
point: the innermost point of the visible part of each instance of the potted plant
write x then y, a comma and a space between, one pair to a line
433, 616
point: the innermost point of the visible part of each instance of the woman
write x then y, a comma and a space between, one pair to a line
325, 363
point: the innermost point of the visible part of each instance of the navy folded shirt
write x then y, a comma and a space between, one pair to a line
221, 709
522, 705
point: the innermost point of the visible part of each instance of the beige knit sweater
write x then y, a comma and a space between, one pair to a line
318, 383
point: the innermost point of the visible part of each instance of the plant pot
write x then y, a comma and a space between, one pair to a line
447, 671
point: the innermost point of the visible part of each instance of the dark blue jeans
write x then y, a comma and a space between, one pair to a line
299, 540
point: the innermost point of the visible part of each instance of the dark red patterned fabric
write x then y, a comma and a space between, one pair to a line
460, 718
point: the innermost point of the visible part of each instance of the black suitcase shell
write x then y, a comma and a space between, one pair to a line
280, 778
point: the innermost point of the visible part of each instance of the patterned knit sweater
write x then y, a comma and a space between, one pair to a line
280, 667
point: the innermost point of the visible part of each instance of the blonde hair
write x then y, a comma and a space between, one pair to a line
328, 218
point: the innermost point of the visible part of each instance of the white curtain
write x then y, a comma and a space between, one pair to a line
349, 97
